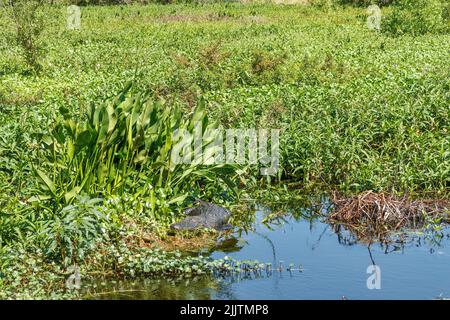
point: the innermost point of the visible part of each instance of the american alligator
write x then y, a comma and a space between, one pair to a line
204, 215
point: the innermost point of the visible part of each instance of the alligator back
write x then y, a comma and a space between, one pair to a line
205, 215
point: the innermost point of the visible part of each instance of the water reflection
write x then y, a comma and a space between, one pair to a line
196, 288
332, 260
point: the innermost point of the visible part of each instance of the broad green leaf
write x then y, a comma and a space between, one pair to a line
47, 181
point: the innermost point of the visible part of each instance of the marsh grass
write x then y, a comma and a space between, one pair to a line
28, 19
358, 110
416, 17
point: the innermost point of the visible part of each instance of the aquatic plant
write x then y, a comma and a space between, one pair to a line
123, 146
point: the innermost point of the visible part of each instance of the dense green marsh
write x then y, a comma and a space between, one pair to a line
358, 110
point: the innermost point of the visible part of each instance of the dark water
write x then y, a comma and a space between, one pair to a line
332, 266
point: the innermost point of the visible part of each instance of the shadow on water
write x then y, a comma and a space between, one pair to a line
325, 261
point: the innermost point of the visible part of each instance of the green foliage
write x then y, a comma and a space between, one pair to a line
366, 3
28, 20
357, 110
125, 146
25, 275
322, 4
415, 17
74, 231
446, 13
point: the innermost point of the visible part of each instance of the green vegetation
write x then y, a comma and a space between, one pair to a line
123, 147
27, 17
417, 17
85, 156
24, 276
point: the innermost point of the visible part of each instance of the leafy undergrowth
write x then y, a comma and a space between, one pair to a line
358, 110
417, 17
29, 275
